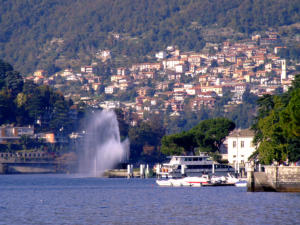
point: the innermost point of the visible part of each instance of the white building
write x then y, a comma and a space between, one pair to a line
161, 55
87, 69
110, 104
9, 133
110, 89
240, 146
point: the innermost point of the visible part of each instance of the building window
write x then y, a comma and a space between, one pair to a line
234, 156
242, 144
234, 144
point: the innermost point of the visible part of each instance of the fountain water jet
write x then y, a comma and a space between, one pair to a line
102, 147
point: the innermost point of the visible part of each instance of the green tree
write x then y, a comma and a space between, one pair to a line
6, 108
61, 121
145, 133
14, 82
277, 126
211, 133
207, 136
123, 125
4, 68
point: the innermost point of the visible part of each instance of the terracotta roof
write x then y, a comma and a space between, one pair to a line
242, 133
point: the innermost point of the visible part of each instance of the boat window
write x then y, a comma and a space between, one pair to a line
195, 159
199, 166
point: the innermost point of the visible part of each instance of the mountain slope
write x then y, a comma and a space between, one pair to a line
48, 33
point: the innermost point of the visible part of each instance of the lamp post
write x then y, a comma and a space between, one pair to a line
237, 165
237, 156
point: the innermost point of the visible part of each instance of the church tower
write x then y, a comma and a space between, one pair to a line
283, 69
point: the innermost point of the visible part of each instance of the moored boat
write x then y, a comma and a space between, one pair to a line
197, 181
231, 179
186, 181
204, 180
241, 183
165, 183
191, 166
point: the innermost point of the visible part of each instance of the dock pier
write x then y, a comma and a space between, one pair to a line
274, 178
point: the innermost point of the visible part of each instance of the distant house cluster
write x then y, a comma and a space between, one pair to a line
13, 134
10, 133
200, 77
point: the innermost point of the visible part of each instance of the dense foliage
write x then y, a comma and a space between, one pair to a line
25, 103
146, 134
242, 114
277, 127
207, 136
49, 34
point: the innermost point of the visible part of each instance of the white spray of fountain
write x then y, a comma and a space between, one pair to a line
102, 147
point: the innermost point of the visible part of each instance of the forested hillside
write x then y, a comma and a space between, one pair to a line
48, 33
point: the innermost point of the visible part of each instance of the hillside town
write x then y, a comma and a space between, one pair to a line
181, 79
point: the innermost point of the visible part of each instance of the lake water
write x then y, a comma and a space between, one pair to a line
69, 199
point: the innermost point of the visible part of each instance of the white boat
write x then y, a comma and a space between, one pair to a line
197, 181
172, 182
204, 180
176, 182
191, 166
166, 183
231, 179
241, 183
187, 181
218, 179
